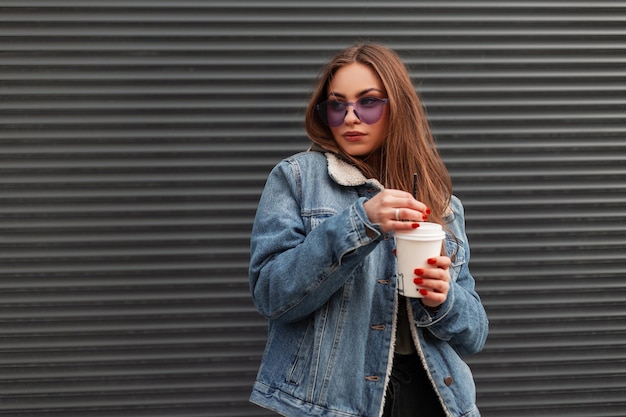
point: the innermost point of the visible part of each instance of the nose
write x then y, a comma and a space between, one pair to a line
351, 115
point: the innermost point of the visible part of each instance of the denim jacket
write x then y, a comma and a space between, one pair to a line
325, 278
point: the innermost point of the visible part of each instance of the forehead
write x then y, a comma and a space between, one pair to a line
353, 79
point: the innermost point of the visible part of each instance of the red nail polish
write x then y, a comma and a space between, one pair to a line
415, 225
394, 252
424, 217
428, 211
418, 271
418, 281
432, 261
423, 292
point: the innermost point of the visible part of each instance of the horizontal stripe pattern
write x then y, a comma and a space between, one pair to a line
135, 139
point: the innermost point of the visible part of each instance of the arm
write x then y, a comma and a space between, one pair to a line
461, 319
295, 268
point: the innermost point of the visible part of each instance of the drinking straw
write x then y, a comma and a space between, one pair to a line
415, 185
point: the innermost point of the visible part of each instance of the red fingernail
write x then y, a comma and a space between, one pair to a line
424, 217
394, 252
418, 271
418, 281
432, 261
428, 211
423, 291
415, 225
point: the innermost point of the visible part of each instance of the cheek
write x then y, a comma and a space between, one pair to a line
335, 133
381, 130
380, 137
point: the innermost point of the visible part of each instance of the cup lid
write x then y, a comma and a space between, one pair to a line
425, 231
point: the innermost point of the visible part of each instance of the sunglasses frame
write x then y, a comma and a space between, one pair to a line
356, 108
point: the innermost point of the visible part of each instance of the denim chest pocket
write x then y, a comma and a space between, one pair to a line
455, 249
314, 218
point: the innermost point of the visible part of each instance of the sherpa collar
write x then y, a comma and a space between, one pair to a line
342, 172
348, 175
345, 174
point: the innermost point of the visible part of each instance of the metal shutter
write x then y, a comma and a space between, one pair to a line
135, 138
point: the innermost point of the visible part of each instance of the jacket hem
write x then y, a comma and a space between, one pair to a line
289, 406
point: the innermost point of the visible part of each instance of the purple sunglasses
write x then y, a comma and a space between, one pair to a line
369, 110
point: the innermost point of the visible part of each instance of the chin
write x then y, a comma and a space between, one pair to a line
357, 152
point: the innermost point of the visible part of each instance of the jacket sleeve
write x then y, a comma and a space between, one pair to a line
461, 320
296, 268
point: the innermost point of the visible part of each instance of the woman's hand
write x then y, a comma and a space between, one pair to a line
395, 210
398, 210
434, 281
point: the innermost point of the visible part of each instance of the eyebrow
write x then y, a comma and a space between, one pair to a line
362, 93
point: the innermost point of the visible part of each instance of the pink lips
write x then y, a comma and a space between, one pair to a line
353, 136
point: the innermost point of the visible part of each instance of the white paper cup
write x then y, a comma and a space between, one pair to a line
413, 249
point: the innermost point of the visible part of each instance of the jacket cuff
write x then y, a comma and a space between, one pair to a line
427, 316
368, 231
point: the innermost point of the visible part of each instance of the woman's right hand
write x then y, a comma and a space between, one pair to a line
395, 210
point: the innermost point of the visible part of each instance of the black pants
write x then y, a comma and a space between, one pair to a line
410, 392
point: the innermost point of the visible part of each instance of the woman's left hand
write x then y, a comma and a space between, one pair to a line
434, 281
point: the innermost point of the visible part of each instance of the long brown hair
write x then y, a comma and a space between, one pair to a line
409, 145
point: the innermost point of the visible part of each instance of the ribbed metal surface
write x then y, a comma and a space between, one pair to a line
135, 138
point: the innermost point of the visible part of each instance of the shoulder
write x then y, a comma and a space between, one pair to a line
308, 156
306, 159
456, 205
455, 213
340, 171
301, 161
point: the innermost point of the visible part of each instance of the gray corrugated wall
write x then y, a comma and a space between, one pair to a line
135, 138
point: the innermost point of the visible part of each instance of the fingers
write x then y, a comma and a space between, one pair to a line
411, 209
434, 281
441, 262
410, 215
395, 210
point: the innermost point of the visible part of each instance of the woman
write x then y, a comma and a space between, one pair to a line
341, 341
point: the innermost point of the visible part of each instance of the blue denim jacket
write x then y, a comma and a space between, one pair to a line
325, 278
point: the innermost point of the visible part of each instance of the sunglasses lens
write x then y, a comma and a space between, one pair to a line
332, 112
368, 109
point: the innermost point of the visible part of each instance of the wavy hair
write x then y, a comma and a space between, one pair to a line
409, 146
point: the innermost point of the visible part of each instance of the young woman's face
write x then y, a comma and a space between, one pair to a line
358, 83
